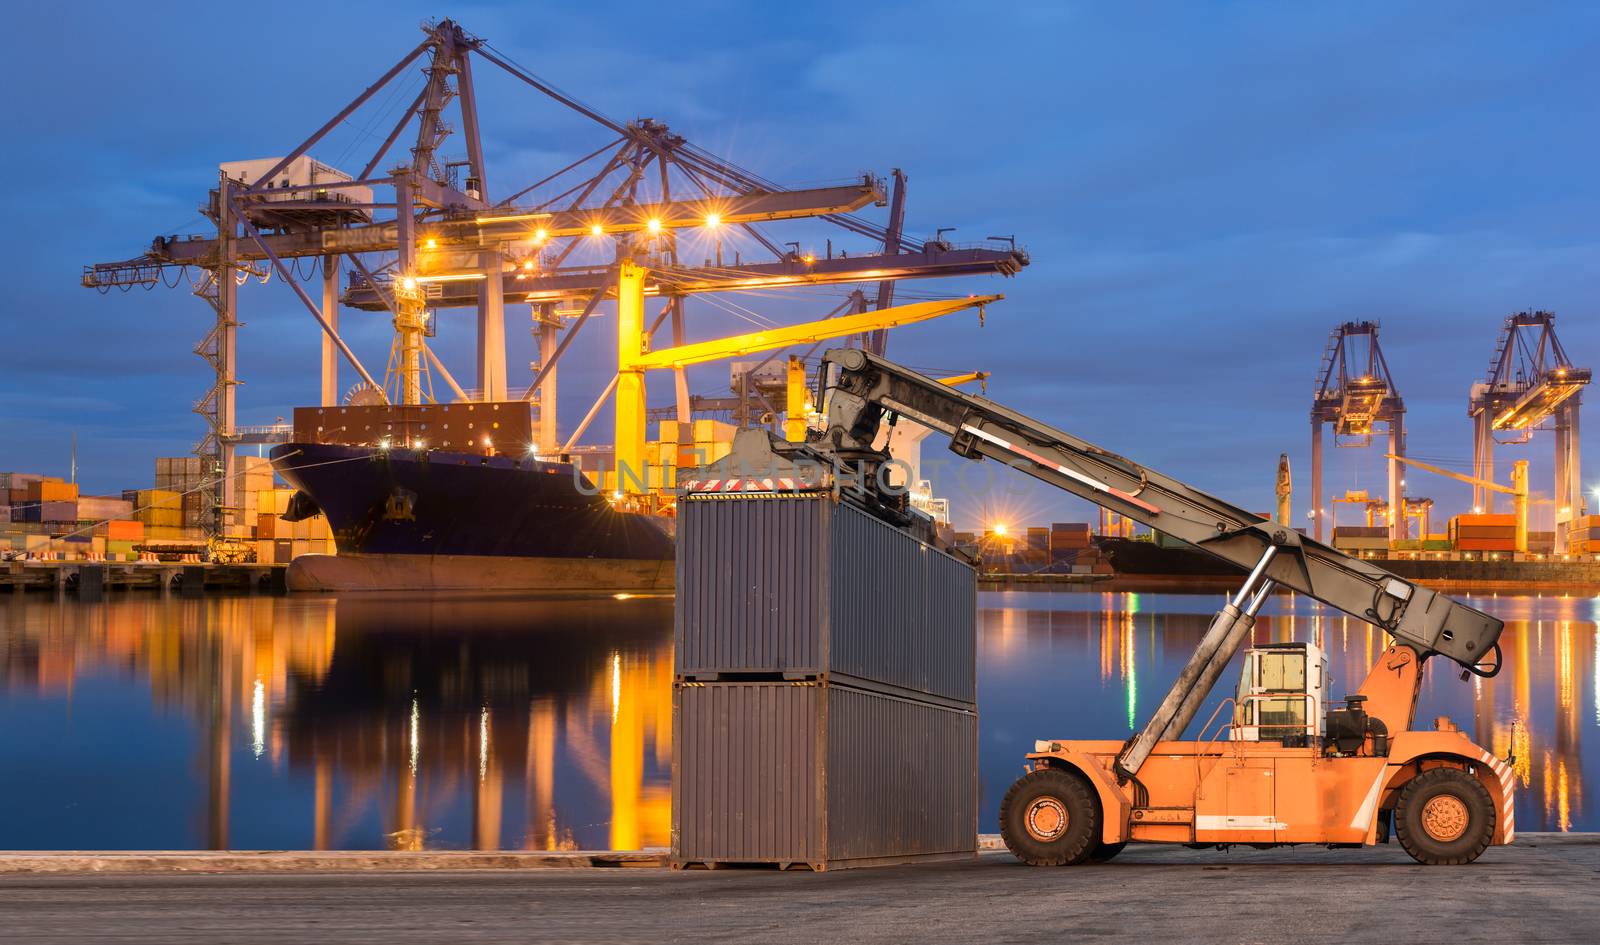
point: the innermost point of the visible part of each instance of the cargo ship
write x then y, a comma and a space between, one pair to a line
457, 516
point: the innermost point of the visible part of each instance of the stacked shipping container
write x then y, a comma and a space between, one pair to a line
46, 516
1484, 532
825, 688
1583, 535
1357, 539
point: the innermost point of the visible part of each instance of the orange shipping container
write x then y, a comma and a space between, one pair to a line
1486, 544
267, 527
124, 531
52, 490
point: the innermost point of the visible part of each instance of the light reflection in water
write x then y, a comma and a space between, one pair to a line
258, 718
548, 725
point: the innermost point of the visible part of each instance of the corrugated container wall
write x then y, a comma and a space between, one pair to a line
806, 585
820, 774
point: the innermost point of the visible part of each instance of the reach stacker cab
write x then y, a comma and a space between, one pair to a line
1277, 763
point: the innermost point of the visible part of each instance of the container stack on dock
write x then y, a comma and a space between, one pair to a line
1583, 535
825, 690
1072, 550
1492, 533
48, 518
1360, 539
278, 540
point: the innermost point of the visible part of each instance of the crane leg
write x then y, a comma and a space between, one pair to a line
1228, 629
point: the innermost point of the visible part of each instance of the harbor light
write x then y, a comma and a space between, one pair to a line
383, 444
596, 230
527, 264
654, 226
408, 283
430, 243
540, 235
713, 220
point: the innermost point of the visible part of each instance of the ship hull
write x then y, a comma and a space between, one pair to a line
361, 572
407, 519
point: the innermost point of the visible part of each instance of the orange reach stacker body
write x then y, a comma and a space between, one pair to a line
1276, 764
1446, 797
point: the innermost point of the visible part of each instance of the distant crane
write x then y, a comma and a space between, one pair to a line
1531, 386
1355, 392
1518, 490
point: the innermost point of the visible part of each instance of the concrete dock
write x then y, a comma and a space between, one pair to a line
1546, 888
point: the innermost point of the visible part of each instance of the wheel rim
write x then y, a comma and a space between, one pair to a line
1046, 819
1445, 818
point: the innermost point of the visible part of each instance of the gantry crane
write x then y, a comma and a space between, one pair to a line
1531, 385
1286, 767
1355, 392
615, 225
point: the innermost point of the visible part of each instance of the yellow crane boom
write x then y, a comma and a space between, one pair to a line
1518, 490
765, 340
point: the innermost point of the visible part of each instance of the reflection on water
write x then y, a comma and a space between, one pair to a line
453, 721
1033, 648
360, 723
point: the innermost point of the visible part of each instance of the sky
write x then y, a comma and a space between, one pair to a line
1205, 191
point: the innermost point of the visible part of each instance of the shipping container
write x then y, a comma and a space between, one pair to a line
117, 530
99, 508
822, 775
1482, 526
1491, 532
50, 511
52, 490
1360, 531
801, 585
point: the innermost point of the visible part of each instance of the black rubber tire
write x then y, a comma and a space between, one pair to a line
1081, 834
1434, 783
1103, 851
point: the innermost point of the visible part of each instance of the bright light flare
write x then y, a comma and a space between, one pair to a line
597, 230
654, 226
540, 235
713, 220
999, 528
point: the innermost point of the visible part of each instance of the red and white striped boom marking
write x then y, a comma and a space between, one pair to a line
1089, 481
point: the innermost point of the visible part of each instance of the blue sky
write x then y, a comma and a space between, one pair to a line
1205, 189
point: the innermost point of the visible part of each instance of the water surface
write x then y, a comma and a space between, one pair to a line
457, 721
